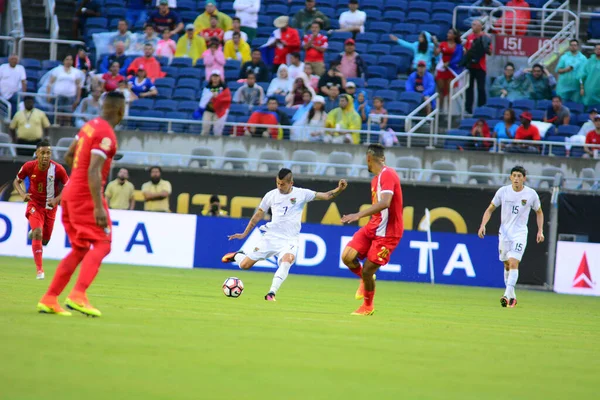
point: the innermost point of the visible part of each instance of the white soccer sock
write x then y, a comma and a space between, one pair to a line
280, 275
506, 276
513, 276
239, 257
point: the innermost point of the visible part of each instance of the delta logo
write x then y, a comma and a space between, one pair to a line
583, 277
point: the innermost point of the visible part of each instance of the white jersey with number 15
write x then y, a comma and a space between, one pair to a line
515, 210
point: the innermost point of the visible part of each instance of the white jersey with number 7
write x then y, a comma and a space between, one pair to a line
515, 210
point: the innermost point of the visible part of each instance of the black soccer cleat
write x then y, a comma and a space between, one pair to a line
512, 303
270, 296
504, 301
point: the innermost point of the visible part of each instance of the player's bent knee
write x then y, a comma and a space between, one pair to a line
36, 234
349, 255
288, 258
247, 263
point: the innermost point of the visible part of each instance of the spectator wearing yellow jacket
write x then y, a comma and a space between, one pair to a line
343, 119
203, 20
190, 45
237, 49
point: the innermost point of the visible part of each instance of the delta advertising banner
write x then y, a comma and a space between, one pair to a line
577, 268
139, 238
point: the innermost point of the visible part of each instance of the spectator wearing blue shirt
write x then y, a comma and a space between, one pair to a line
165, 18
507, 128
83, 10
421, 81
141, 85
118, 56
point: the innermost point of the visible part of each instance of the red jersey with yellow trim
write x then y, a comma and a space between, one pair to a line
95, 137
388, 222
43, 185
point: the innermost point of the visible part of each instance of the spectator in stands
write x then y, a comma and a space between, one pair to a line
84, 9
541, 82
311, 124
141, 85
120, 192
237, 49
213, 30
250, 93
203, 20
304, 18
315, 44
422, 81
270, 115
314, 79
557, 114
449, 66
480, 129
569, 70
423, 49
593, 138
589, 124
88, 81
214, 104
296, 95
82, 58
515, 21
378, 115
123, 34
171, 3
508, 87
333, 77
351, 63
165, 18
65, 85
286, 42
351, 89
361, 105
481, 11
112, 77
118, 57
127, 93
137, 12
353, 20
507, 128
235, 27
590, 79
151, 65
190, 45
12, 80
214, 208
282, 83
296, 66
166, 47
157, 191
526, 131
343, 119
150, 36
90, 106
29, 126
247, 12
214, 59
478, 45
332, 101
257, 66
300, 118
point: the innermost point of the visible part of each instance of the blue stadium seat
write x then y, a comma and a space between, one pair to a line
558, 151
455, 144
594, 28
181, 62
387, 95
134, 112
232, 75
171, 72
443, 19
359, 82
404, 29
163, 61
31, 86
165, 82
398, 85
188, 83
226, 7
276, 10
280, 99
142, 104
264, 31
434, 29
164, 93
405, 64
375, 15
96, 22
239, 109
265, 20
385, 39
118, 12
411, 97
178, 127
188, 16
369, 4
165, 105
187, 5
567, 130
593, 106
187, 106
377, 72
369, 59
576, 108
524, 104
295, 9
378, 83
379, 27
417, 17
367, 37
233, 86
361, 48
191, 73
443, 6
151, 126
467, 123
32, 64
423, 6
398, 50
328, 11
340, 36
233, 65
379, 49
399, 5
498, 103
485, 112
335, 47
542, 105
394, 16
113, 3
397, 108
264, 85
538, 115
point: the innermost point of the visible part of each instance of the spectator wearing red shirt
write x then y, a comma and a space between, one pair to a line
593, 137
315, 45
150, 64
214, 30
480, 129
287, 41
478, 46
526, 131
112, 77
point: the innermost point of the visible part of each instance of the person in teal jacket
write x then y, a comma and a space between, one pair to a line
422, 49
590, 79
569, 70
508, 87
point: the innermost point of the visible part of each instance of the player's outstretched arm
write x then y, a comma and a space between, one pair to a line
95, 183
386, 200
539, 216
17, 183
332, 194
258, 216
485, 219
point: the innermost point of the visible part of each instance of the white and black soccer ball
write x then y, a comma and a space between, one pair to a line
233, 287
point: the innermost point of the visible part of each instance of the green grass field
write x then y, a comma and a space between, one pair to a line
171, 334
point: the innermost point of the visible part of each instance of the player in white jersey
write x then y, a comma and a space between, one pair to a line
516, 201
280, 236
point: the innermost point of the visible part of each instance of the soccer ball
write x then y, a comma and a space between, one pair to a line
233, 287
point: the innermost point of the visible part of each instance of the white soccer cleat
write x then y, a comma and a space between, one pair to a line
40, 275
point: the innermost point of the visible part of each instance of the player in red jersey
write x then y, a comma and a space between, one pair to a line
85, 211
42, 198
377, 240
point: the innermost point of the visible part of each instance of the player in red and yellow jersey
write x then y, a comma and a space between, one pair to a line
42, 198
377, 240
85, 211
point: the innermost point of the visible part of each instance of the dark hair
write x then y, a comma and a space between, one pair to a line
513, 116
334, 64
114, 96
214, 16
376, 150
352, 1
43, 143
236, 19
295, 54
250, 74
538, 66
214, 199
557, 97
124, 20
283, 173
273, 98
318, 23
518, 168
256, 50
378, 98
33, 98
457, 38
312, 112
574, 40
236, 34
509, 64
423, 46
154, 166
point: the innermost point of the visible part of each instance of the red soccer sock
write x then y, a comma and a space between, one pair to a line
368, 300
357, 271
65, 271
91, 264
36, 248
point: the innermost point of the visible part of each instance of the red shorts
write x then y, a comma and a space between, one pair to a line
40, 217
80, 223
375, 248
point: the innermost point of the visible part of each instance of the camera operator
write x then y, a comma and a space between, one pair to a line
214, 208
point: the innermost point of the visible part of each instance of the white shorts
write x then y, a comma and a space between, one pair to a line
512, 248
272, 246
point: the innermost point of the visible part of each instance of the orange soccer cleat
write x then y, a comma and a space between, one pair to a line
49, 305
364, 310
78, 301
